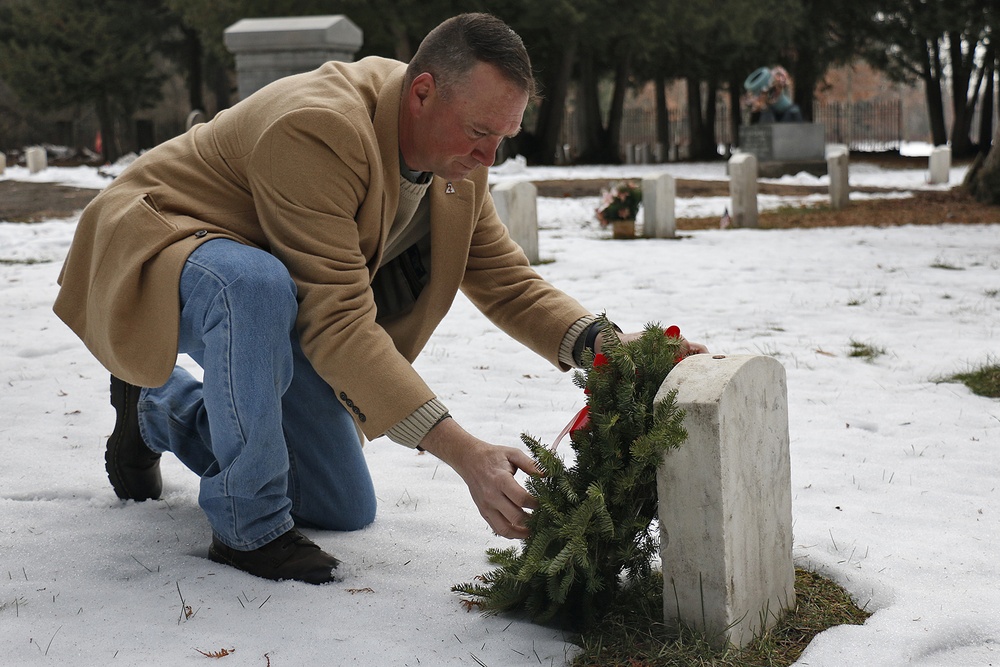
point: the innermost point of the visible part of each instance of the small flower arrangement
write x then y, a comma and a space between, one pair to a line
621, 202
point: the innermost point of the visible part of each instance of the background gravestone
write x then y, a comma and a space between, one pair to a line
517, 206
838, 168
36, 159
743, 189
271, 48
658, 195
939, 164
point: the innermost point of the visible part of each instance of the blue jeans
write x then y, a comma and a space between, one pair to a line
272, 444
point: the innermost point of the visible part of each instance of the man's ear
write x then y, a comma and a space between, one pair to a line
422, 89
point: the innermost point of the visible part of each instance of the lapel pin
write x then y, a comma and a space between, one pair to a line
449, 189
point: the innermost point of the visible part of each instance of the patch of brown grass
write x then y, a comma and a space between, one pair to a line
923, 208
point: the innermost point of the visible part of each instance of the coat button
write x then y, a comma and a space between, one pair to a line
343, 396
356, 409
362, 418
200, 233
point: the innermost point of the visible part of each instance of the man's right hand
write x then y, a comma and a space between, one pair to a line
488, 470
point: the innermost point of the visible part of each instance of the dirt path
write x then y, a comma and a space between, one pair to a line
33, 202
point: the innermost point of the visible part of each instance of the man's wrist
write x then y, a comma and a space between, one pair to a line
411, 431
595, 337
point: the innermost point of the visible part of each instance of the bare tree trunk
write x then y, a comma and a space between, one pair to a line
616, 114
192, 57
403, 47
710, 141
695, 134
986, 112
964, 96
735, 112
983, 179
662, 116
931, 75
591, 125
548, 127
109, 135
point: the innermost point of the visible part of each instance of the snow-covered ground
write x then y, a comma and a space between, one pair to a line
894, 477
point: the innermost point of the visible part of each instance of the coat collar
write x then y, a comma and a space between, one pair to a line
386, 123
452, 224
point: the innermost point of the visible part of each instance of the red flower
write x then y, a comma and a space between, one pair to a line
599, 360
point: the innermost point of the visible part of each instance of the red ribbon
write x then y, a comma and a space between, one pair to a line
582, 418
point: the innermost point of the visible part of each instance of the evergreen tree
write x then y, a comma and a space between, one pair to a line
591, 536
59, 53
939, 44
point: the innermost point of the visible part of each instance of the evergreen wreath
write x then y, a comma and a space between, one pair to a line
591, 536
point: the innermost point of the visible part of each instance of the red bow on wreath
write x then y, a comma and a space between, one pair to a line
582, 418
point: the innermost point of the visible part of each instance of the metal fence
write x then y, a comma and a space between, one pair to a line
862, 126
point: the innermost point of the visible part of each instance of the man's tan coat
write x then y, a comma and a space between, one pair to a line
308, 170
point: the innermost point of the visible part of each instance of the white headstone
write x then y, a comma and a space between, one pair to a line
3, 163
725, 504
658, 194
940, 165
35, 159
837, 167
517, 205
743, 189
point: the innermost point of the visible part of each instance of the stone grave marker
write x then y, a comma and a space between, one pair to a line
517, 205
837, 166
725, 504
939, 164
743, 189
658, 194
35, 159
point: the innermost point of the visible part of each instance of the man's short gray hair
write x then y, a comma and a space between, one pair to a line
450, 50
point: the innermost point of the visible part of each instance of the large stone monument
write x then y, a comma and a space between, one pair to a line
271, 48
786, 148
725, 499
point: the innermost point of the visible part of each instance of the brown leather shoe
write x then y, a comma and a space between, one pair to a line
133, 468
291, 556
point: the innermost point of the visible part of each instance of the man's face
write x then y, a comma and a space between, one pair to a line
455, 134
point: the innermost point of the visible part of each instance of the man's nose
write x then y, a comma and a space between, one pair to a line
485, 151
